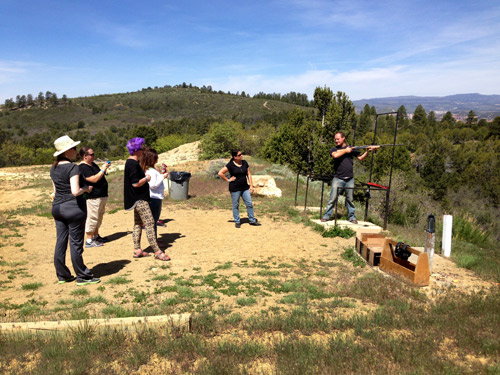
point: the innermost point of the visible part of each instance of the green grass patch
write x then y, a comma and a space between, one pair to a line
246, 301
350, 255
80, 292
31, 286
118, 280
339, 232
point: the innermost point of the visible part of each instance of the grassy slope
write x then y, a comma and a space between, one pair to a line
142, 107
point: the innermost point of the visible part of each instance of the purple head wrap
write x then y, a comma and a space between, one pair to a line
134, 145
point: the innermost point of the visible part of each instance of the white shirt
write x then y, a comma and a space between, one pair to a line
156, 187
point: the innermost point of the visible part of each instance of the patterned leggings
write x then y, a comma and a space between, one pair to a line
142, 215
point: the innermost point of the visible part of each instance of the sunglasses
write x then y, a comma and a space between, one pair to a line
90, 154
239, 154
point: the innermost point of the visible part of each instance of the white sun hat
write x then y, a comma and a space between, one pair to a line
63, 144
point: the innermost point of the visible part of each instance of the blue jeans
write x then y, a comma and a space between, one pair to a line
247, 199
340, 185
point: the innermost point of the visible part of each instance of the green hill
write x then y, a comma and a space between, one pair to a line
184, 108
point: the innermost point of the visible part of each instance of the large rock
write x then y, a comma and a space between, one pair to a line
265, 185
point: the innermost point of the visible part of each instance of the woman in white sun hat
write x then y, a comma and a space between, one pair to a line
70, 212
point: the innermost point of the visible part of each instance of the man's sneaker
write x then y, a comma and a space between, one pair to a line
161, 223
100, 239
256, 223
94, 280
354, 221
70, 279
237, 225
92, 243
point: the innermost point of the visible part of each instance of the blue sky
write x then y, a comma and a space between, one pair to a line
367, 49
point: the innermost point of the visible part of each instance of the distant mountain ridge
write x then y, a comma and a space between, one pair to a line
485, 106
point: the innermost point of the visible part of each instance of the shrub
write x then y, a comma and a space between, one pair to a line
339, 232
220, 140
466, 229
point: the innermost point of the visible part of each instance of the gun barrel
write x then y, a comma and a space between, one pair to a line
363, 147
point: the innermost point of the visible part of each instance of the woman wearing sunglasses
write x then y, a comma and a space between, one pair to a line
96, 201
240, 186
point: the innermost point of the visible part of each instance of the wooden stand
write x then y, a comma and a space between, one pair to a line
417, 273
370, 246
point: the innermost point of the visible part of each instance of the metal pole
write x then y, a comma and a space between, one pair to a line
321, 205
390, 175
336, 204
307, 192
297, 188
371, 169
430, 241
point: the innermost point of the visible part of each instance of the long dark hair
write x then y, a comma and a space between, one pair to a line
60, 158
149, 158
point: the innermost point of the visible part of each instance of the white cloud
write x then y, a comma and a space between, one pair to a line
398, 80
127, 36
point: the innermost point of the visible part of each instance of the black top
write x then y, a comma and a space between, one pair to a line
61, 175
240, 184
344, 165
100, 188
133, 173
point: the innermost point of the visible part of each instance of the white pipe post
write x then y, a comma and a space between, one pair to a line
447, 231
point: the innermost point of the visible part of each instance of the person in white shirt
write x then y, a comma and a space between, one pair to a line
156, 187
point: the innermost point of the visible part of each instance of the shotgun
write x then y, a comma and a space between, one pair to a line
363, 147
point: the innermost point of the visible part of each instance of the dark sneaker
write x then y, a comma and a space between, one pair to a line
237, 225
72, 278
256, 223
160, 223
93, 280
100, 239
92, 243
354, 221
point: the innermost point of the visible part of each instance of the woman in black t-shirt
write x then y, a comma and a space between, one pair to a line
69, 212
136, 198
96, 201
240, 185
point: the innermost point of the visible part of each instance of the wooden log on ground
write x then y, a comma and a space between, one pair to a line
179, 322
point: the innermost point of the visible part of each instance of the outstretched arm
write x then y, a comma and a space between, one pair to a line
368, 150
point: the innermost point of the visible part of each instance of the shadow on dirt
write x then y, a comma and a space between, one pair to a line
106, 269
116, 236
166, 240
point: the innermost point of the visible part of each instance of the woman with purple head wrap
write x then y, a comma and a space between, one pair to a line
136, 198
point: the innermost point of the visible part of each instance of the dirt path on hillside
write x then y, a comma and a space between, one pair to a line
198, 242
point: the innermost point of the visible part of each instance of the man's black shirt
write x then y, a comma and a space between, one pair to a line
344, 165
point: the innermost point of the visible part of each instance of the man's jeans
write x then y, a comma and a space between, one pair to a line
339, 184
247, 199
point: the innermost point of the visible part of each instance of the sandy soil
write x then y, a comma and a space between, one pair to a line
197, 241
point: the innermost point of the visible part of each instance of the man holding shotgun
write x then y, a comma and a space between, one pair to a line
343, 178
